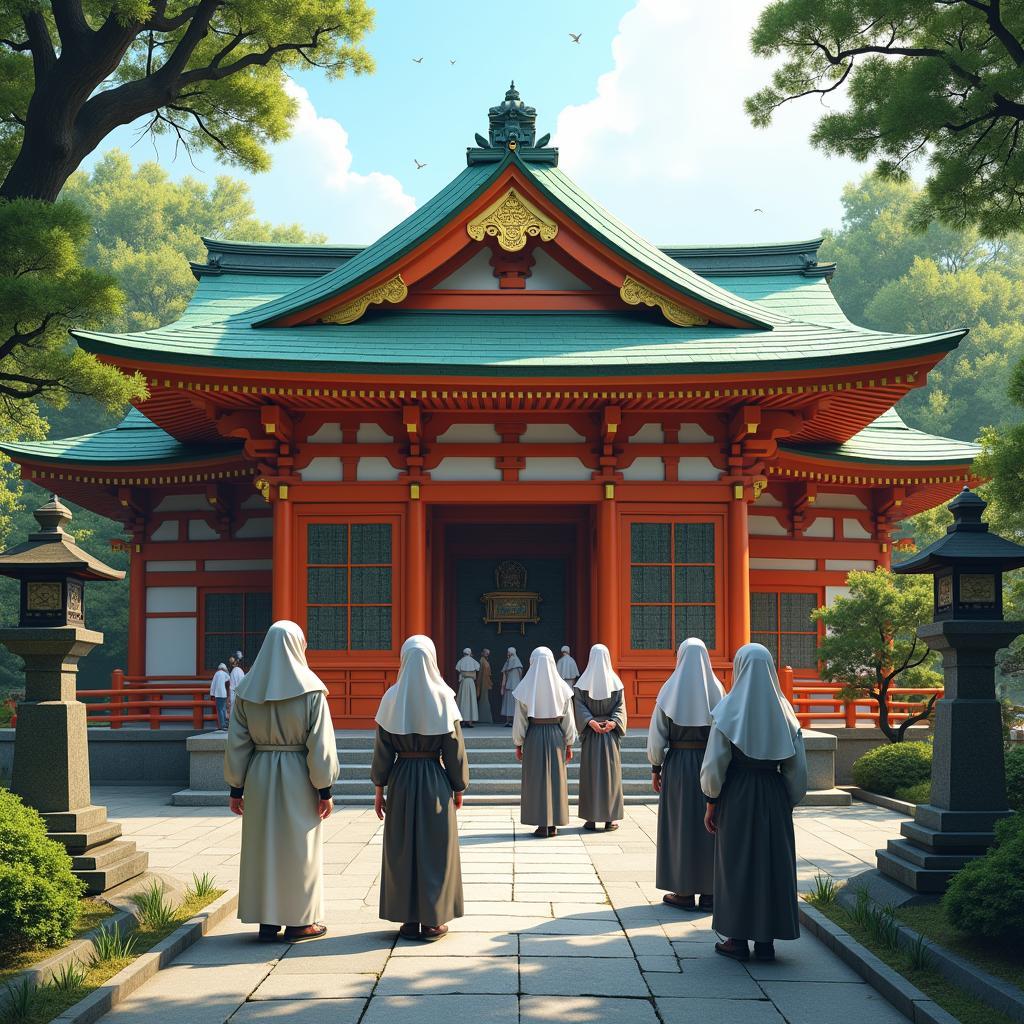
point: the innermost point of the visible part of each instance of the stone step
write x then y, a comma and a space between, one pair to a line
102, 879
906, 872
103, 856
494, 738
946, 842
363, 797
478, 785
75, 821
499, 770
80, 842
925, 858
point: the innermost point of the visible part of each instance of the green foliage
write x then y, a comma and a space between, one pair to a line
38, 893
823, 891
18, 1001
871, 643
892, 767
153, 908
987, 896
919, 793
1014, 759
202, 886
110, 944
70, 977
925, 80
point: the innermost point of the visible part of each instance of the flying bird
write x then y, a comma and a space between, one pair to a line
451, 60
419, 166
417, 60
576, 36
757, 209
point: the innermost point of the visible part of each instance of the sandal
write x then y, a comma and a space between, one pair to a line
552, 831
409, 930
764, 950
268, 933
307, 931
706, 903
610, 826
590, 826
734, 949
542, 832
431, 934
675, 900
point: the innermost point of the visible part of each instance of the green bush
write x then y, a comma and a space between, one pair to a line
893, 766
987, 896
918, 794
38, 893
1015, 776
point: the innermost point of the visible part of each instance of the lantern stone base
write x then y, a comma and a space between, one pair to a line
98, 855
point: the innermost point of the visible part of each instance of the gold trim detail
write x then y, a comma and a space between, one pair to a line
512, 220
392, 290
759, 486
635, 294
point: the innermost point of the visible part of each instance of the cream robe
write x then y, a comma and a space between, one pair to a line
281, 871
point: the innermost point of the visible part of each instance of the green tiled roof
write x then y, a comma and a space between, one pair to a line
889, 440
135, 441
564, 193
442, 343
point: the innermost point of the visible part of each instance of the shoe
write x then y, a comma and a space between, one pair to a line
680, 902
468, 725
309, 931
734, 949
552, 831
508, 725
410, 930
541, 833
590, 826
706, 903
431, 934
764, 950
268, 932
610, 826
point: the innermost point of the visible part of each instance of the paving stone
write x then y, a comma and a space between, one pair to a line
575, 945
309, 1011
474, 922
463, 944
580, 976
658, 964
801, 1002
368, 962
723, 1011
585, 1010
324, 985
804, 959
442, 1009
721, 978
406, 975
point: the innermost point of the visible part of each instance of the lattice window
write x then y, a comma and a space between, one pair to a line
349, 600
233, 621
672, 588
782, 622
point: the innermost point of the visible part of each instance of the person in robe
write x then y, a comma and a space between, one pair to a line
676, 740
754, 774
600, 708
419, 759
467, 668
543, 733
567, 667
219, 693
485, 689
236, 674
281, 761
511, 676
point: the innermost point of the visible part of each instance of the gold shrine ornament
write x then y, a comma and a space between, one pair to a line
512, 220
392, 290
636, 294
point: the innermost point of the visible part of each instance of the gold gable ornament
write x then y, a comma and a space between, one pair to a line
636, 294
512, 220
511, 602
392, 290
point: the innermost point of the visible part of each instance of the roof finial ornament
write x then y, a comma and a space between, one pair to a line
512, 128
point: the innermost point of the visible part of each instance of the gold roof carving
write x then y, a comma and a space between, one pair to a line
636, 294
392, 290
512, 220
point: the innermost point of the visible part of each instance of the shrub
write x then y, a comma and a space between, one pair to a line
38, 893
1015, 776
893, 766
987, 896
918, 794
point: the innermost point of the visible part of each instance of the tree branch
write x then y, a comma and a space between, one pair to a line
40, 43
72, 27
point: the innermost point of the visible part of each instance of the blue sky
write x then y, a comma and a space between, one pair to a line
646, 110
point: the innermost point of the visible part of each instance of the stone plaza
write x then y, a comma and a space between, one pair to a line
570, 929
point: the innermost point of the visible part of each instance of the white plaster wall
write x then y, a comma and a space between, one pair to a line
849, 565
853, 530
199, 529
693, 433
323, 468
649, 433
466, 469
476, 274
550, 433
373, 468
554, 469
786, 564
698, 468
183, 503
256, 527
372, 433
831, 593
328, 433
470, 433
645, 468
767, 501
171, 647
166, 531
180, 566
548, 274
170, 599
823, 527
238, 564
828, 500
765, 526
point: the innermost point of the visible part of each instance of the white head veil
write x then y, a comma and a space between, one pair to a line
566, 666
467, 663
280, 670
693, 689
754, 715
419, 701
599, 678
512, 661
543, 692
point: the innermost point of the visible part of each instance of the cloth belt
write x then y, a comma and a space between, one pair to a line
545, 721
435, 754
685, 745
740, 767
296, 747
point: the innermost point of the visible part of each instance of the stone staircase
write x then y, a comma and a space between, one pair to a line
99, 856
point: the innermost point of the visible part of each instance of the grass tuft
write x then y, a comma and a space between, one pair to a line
823, 892
111, 944
155, 910
202, 886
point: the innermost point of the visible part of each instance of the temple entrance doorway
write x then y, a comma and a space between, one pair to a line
510, 578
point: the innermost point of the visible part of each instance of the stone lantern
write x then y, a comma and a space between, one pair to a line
968, 794
51, 744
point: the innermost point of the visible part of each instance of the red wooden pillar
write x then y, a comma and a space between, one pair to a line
284, 554
605, 583
416, 565
137, 607
737, 573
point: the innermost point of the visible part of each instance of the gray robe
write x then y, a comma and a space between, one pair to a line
755, 852
600, 797
421, 873
280, 877
544, 797
686, 850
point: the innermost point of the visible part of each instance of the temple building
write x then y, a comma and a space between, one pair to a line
509, 421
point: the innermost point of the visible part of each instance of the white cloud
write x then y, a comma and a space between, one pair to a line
665, 143
311, 181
